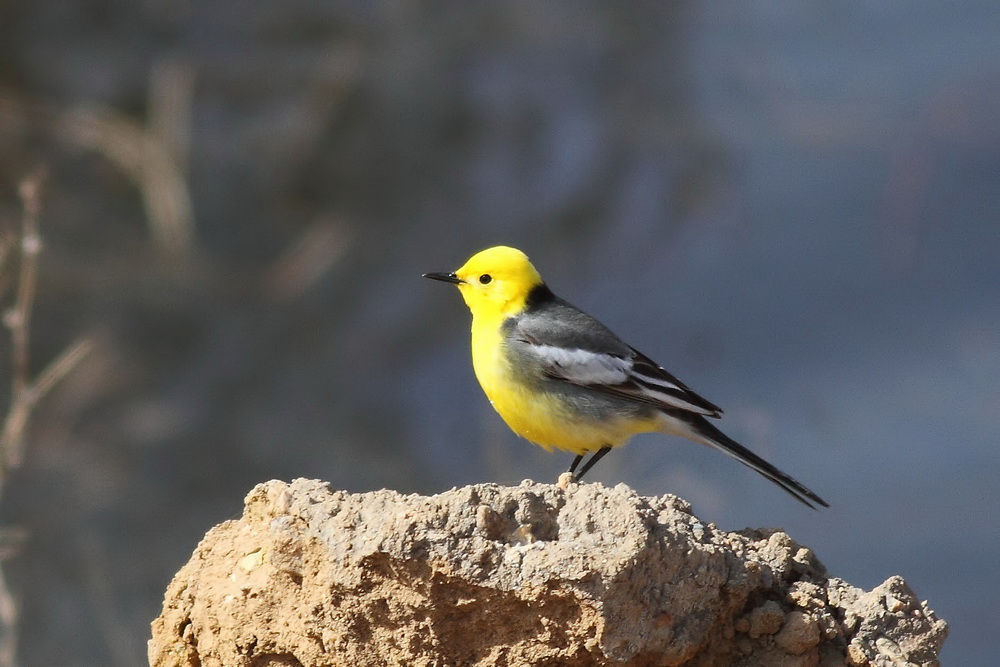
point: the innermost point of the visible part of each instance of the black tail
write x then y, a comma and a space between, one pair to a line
719, 440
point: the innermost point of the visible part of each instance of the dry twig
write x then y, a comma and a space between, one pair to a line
25, 394
18, 318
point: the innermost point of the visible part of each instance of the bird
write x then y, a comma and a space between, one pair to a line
563, 380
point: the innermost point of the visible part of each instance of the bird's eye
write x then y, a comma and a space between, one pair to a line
485, 278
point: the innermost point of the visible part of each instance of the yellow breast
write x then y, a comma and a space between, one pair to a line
541, 417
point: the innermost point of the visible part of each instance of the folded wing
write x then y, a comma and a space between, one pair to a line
600, 361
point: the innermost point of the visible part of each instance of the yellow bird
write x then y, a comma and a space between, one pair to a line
563, 380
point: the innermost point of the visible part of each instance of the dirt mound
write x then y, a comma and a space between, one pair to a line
493, 575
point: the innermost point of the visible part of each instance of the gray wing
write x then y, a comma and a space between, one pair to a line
573, 347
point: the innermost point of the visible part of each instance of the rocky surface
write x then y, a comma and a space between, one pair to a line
492, 575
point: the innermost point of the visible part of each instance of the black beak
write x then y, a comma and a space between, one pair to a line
444, 277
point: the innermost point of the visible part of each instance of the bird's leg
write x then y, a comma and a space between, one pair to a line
576, 462
598, 455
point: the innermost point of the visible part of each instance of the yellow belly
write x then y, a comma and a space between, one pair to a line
544, 418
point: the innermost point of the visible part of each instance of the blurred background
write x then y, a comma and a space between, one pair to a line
795, 207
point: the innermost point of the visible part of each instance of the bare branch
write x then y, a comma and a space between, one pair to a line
60, 368
148, 162
25, 394
18, 318
317, 249
9, 619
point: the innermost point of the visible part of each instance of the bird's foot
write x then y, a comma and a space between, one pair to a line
565, 480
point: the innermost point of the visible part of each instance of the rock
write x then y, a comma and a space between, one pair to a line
799, 633
766, 619
492, 575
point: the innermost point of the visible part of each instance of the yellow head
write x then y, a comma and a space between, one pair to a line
495, 281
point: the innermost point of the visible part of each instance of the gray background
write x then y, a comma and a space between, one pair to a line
792, 206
